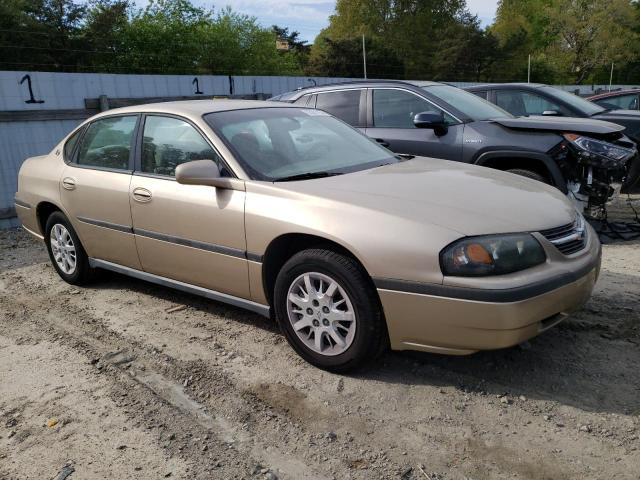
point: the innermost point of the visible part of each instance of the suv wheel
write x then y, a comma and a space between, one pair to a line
65, 250
529, 174
328, 310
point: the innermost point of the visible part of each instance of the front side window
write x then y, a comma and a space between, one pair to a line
107, 143
465, 102
521, 103
624, 102
344, 105
396, 108
275, 143
167, 142
585, 107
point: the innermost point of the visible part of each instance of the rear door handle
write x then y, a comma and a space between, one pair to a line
382, 142
141, 195
69, 183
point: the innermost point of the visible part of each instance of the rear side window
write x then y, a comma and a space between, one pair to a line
71, 145
168, 142
107, 143
480, 93
344, 105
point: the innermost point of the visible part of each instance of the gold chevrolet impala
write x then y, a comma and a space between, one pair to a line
291, 213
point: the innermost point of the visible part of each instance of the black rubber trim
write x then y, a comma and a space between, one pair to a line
254, 257
20, 203
210, 247
506, 295
112, 226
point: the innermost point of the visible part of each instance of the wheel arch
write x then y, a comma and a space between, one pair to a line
534, 161
44, 210
283, 247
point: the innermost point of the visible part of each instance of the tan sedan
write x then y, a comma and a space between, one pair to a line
290, 212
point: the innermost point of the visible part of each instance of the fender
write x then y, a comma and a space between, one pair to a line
556, 175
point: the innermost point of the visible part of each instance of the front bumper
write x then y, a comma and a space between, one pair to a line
461, 326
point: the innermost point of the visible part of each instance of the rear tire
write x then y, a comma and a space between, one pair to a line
319, 291
65, 250
529, 174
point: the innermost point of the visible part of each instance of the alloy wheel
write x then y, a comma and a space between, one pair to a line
321, 313
63, 249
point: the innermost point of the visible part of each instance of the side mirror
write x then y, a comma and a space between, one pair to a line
551, 113
205, 172
432, 120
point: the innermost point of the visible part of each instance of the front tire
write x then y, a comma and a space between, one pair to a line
529, 174
65, 250
328, 310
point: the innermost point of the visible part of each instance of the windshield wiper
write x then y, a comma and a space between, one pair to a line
307, 176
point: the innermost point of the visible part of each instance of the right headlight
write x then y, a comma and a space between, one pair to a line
491, 255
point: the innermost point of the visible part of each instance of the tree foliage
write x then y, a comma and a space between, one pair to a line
167, 36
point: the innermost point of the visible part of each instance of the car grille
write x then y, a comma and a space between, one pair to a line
570, 238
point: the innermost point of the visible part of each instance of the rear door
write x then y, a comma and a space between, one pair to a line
391, 125
95, 189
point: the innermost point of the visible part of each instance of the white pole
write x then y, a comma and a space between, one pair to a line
364, 57
611, 77
529, 70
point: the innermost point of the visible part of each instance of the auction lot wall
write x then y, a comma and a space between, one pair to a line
37, 109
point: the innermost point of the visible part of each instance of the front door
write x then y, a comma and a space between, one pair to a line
95, 189
393, 110
194, 234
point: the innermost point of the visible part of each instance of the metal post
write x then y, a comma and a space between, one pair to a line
364, 57
611, 77
529, 70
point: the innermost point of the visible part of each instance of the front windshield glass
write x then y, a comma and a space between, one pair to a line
471, 105
276, 143
584, 106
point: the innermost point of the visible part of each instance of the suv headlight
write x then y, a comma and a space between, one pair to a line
599, 148
491, 255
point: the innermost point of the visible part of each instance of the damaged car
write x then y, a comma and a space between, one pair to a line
586, 159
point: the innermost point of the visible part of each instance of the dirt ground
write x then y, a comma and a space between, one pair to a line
112, 382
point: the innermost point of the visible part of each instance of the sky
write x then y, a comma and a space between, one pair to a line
310, 16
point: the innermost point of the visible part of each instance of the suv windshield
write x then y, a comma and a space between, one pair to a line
584, 106
295, 143
471, 105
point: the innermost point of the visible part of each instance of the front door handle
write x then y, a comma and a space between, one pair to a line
141, 195
382, 142
69, 183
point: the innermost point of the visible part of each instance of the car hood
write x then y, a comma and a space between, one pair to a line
562, 124
467, 199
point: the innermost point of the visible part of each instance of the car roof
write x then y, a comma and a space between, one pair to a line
505, 85
307, 89
194, 108
617, 93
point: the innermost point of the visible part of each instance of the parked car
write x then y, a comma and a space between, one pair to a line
287, 211
618, 100
581, 157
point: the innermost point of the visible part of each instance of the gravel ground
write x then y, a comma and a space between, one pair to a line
112, 381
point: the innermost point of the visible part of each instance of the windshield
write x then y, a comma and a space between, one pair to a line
583, 106
471, 105
277, 143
